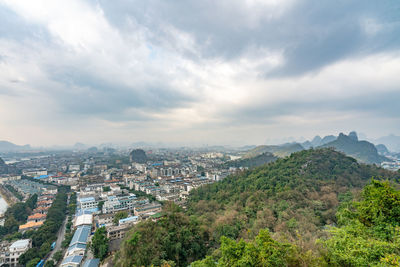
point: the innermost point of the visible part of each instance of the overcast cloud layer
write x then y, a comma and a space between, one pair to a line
199, 72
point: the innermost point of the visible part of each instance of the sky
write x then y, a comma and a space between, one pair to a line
230, 72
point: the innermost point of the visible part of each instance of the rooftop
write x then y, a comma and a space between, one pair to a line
87, 199
81, 235
30, 225
91, 263
72, 259
23, 243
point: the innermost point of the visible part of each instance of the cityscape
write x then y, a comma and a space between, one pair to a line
224, 133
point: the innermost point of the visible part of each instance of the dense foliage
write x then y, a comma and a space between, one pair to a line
16, 215
262, 251
295, 195
250, 162
175, 237
47, 233
369, 230
99, 245
14, 192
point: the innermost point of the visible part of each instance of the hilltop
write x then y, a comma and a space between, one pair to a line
277, 150
256, 161
363, 151
6, 146
299, 193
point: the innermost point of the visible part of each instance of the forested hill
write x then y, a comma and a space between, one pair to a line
280, 210
295, 195
258, 160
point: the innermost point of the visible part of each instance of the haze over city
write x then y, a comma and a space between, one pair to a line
197, 72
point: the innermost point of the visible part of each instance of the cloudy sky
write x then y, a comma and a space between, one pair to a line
197, 72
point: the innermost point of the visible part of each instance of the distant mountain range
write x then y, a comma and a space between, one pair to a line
363, 151
6, 146
277, 150
392, 142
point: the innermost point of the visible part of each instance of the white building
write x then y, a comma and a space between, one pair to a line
88, 203
17, 249
114, 204
84, 219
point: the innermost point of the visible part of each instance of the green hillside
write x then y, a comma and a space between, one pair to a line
256, 161
272, 215
279, 150
299, 194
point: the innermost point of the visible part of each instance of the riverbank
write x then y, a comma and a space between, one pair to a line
8, 196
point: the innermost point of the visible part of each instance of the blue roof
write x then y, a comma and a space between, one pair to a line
41, 177
78, 246
87, 199
80, 212
132, 218
72, 259
81, 235
91, 263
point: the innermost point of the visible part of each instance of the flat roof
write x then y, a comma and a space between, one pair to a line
84, 219
87, 199
91, 263
132, 218
20, 243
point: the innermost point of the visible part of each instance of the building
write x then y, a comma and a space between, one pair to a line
77, 246
104, 219
84, 219
72, 261
88, 203
91, 263
30, 226
37, 217
129, 220
117, 232
114, 204
74, 168
150, 208
16, 250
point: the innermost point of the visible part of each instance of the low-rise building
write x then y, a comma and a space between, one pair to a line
30, 226
114, 203
84, 219
16, 250
150, 208
37, 217
88, 203
78, 243
72, 261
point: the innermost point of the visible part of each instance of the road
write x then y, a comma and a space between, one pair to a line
60, 235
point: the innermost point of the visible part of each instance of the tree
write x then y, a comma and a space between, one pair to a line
120, 215
106, 189
99, 245
58, 255
49, 263
369, 230
33, 262
100, 205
